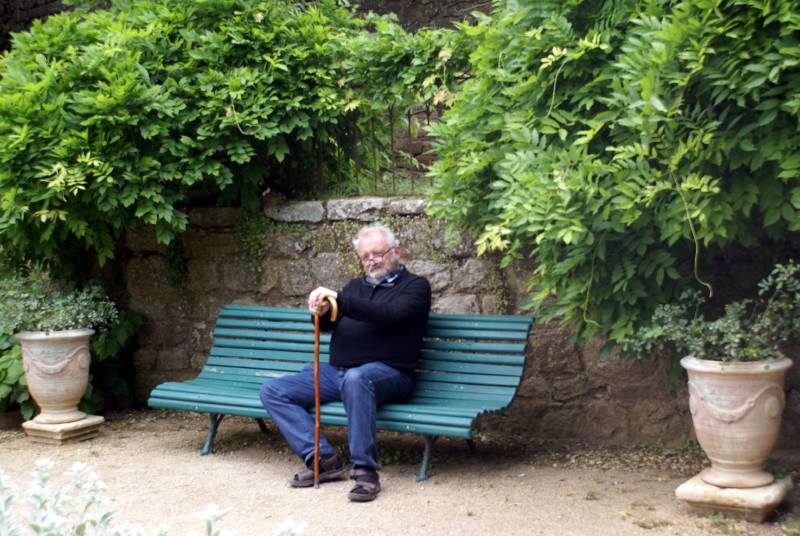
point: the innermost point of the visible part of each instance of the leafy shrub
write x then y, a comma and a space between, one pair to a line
34, 302
79, 508
13, 386
624, 144
748, 330
119, 117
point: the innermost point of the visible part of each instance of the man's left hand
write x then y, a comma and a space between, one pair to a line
318, 302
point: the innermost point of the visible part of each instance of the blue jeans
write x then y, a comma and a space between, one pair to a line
361, 389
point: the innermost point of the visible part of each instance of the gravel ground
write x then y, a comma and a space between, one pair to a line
149, 462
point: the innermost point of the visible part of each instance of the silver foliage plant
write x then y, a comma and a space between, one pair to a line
80, 508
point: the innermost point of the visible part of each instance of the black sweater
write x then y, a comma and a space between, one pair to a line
380, 323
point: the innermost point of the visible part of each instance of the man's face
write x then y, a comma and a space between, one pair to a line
377, 258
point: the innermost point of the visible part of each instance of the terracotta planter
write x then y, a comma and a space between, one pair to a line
57, 371
736, 410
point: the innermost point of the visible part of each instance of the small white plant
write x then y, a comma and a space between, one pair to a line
292, 528
78, 508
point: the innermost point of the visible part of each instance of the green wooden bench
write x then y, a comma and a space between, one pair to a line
470, 365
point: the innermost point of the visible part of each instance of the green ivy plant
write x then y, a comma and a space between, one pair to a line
748, 330
123, 116
623, 145
13, 386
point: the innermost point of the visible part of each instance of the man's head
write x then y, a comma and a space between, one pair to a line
378, 249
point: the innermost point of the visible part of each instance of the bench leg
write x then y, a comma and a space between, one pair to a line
472, 448
262, 426
208, 448
426, 458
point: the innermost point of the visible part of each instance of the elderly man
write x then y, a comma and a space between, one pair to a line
374, 349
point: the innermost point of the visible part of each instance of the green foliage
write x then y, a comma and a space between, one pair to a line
36, 303
110, 366
13, 387
78, 507
748, 330
623, 144
252, 239
177, 266
115, 118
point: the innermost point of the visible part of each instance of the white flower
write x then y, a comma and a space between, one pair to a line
289, 527
212, 511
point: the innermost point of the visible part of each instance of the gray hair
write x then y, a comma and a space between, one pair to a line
391, 239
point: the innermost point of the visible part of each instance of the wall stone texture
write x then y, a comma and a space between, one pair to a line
567, 393
17, 15
416, 14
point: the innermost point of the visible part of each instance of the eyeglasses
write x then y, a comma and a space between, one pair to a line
367, 257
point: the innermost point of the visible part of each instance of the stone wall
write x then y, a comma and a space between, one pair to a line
567, 392
416, 14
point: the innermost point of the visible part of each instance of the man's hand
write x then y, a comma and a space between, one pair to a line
318, 302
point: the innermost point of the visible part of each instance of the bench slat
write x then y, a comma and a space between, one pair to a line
479, 334
475, 346
268, 345
464, 357
246, 353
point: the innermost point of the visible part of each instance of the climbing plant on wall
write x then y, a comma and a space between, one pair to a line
118, 117
623, 144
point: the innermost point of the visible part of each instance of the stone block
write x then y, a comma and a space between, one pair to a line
148, 273
202, 276
474, 274
144, 360
294, 212
437, 274
285, 246
201, 337
331, 270
294, 282
360, 208
199, 359
239, 277
268, 278
210, 245
455, 303
213, 217
407, 206
143, 240
752, 504
490, 305
172, 359
151, 305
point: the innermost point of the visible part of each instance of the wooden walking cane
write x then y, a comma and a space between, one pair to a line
334, 311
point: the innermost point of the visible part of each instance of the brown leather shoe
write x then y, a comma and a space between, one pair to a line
330, 468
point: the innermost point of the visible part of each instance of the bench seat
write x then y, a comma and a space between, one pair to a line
470, 365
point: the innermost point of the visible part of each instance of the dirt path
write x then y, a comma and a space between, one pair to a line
149, 462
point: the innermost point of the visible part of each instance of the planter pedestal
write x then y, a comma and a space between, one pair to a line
57, 434
752, 504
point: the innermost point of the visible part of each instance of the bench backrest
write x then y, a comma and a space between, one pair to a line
469, 360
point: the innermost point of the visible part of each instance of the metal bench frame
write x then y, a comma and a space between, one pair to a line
470, 365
